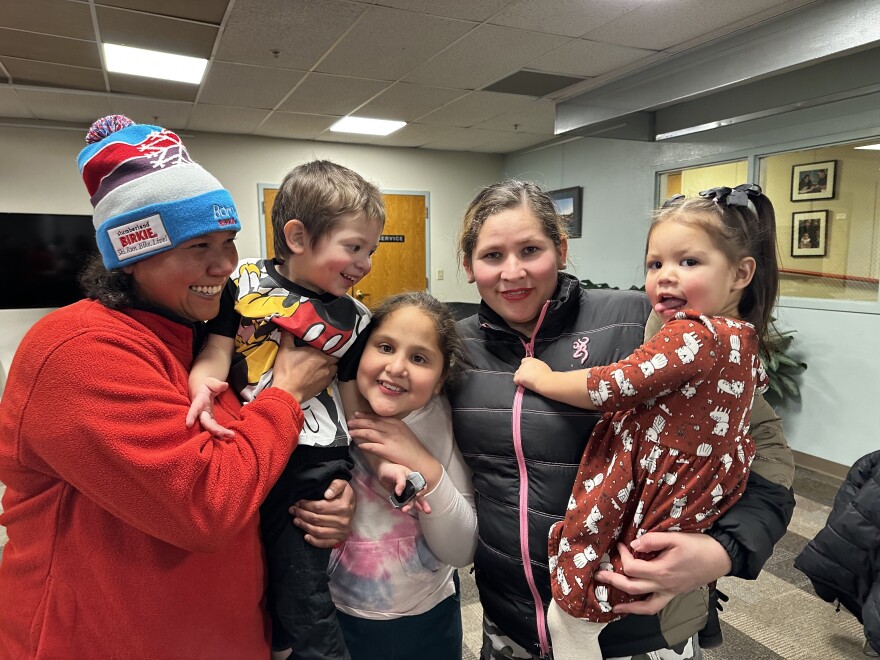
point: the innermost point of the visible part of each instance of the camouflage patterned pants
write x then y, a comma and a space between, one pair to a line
497, 646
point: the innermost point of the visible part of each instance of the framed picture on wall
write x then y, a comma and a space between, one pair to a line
813, 181
568, 205
809, 233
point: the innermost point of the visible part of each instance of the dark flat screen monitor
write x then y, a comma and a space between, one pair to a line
41, 257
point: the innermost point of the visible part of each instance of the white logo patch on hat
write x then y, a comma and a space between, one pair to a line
139, 237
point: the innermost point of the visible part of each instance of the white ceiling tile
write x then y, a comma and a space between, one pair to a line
247, 86
475, 108
53, 75
62, 106
388, 43
208, 11
295, 125
351, 138
567, 17
504, 143
49, 48
484, 56
416, 135
331, 95
168, 114
461, 139
168, 35
218, 119
537, 117
661, 25
11, 105
152, 87
755, 9
654, 27
464, 9
300, 31
745, 14
406, 102
59, 17
588, 58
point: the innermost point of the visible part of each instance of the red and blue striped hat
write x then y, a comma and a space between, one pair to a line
148, 194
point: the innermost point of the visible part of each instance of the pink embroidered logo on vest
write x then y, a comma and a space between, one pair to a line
580, 349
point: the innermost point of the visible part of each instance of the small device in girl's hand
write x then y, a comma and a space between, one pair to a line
415, 483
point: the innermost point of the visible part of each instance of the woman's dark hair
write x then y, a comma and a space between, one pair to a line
111, 288
510, 194
741, 223
451, 345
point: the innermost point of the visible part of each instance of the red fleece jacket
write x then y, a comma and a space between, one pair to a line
130, 536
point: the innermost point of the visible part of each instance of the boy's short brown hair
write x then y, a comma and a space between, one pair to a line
316, 194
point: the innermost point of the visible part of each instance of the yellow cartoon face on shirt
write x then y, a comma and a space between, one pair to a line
257, 339
324, 322
259, 302
265, 310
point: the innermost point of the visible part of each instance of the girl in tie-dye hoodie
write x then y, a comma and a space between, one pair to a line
394, 579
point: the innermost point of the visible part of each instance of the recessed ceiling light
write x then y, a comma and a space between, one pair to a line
874, 147
368, 126
153, 64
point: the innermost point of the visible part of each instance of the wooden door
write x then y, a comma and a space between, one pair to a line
269, 195
399, 263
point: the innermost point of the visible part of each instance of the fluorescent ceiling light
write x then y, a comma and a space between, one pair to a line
873, 147
368, 126
153, 64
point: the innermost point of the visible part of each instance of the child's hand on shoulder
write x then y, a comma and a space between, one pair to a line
202, 408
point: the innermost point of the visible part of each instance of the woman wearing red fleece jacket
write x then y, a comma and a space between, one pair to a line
131, 536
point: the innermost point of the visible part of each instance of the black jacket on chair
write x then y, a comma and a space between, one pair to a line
843, 561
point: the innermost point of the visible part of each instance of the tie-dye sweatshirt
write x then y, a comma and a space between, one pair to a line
400, 564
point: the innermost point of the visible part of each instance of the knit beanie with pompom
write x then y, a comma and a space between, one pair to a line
148, 195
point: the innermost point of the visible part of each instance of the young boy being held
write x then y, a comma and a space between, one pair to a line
327, 221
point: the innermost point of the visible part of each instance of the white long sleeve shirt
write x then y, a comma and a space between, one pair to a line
400, 564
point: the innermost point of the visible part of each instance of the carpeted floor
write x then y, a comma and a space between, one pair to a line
776, 616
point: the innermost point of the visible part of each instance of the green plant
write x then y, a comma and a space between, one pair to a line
781, 367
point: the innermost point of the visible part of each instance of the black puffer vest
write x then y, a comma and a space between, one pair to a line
526, 449
843, 561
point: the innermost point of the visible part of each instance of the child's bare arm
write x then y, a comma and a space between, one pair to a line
207, 379
565, 386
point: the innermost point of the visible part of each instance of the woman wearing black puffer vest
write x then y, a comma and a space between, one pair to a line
843, 561
524, 450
